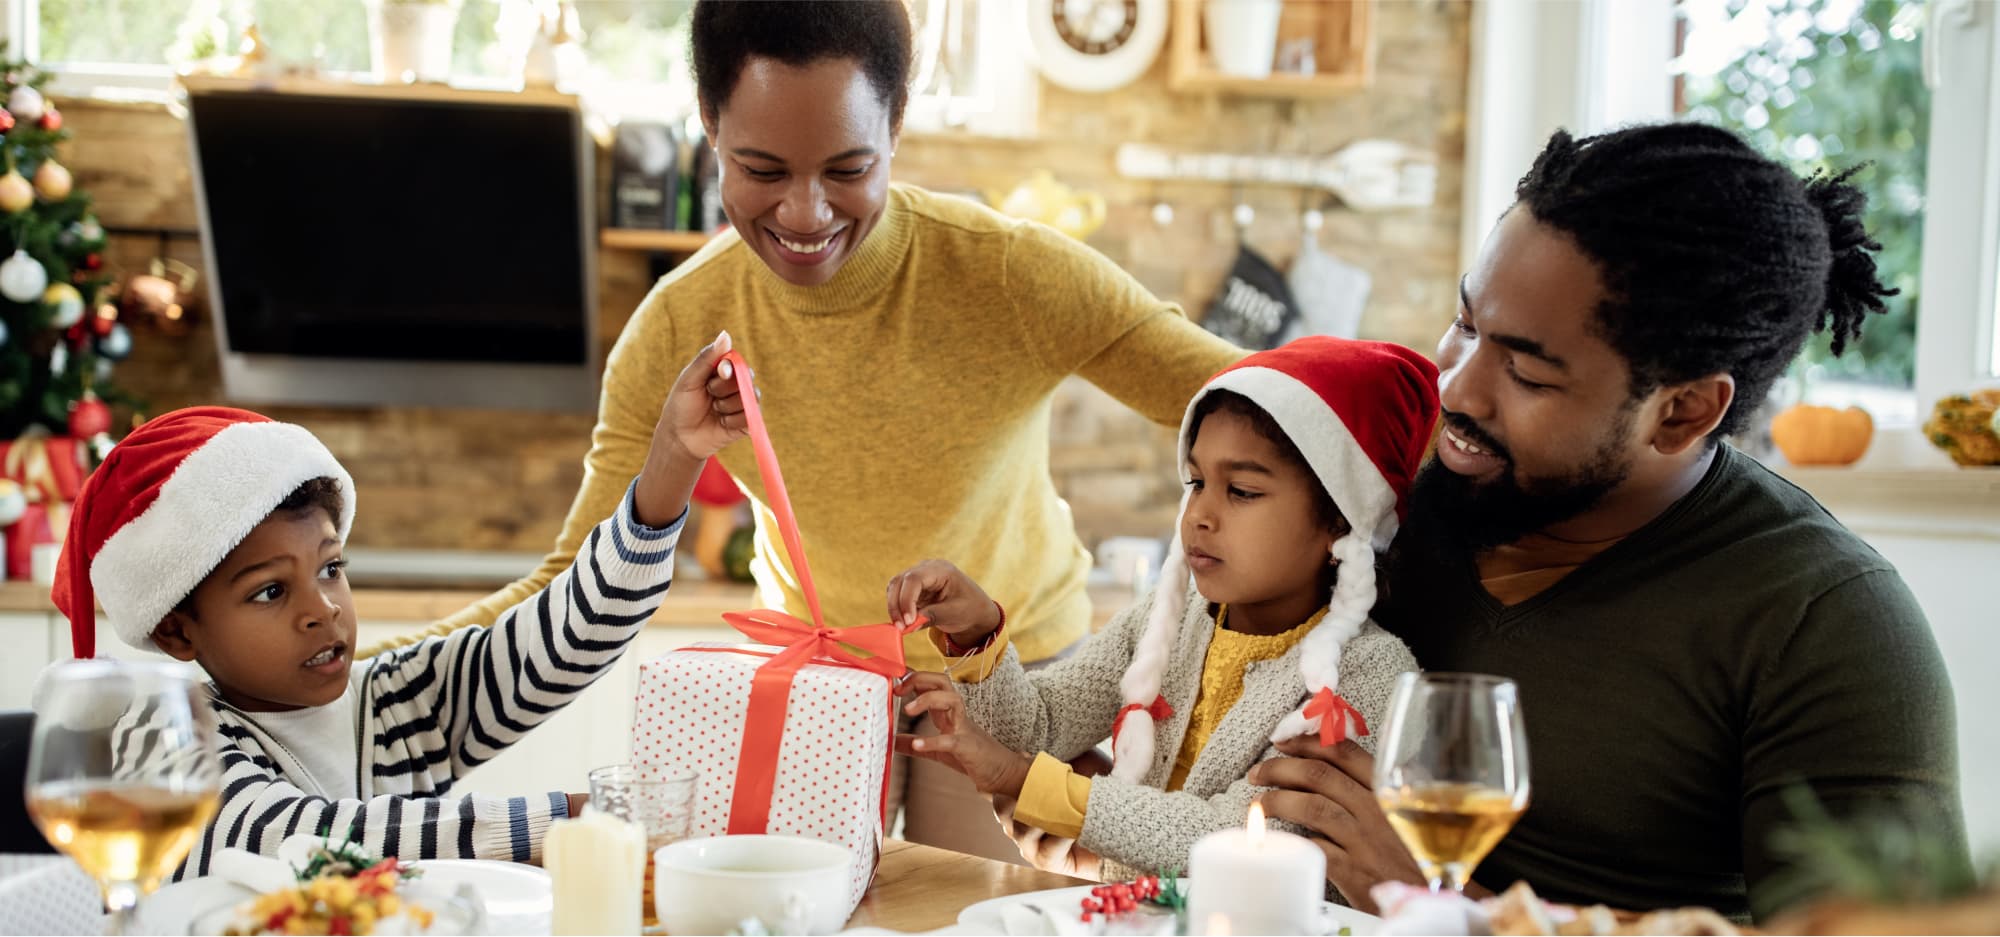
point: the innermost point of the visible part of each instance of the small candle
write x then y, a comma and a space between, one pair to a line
1256, 881
596, 864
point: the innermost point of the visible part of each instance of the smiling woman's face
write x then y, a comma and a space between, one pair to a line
804, 157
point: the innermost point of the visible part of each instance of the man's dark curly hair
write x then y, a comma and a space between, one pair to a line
1716, 259
874, 33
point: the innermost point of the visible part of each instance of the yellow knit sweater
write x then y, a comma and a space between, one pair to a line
908, 401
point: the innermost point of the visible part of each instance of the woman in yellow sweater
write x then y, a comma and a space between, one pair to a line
907, 347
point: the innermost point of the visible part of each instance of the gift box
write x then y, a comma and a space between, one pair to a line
827, 775
50, 471
791, 735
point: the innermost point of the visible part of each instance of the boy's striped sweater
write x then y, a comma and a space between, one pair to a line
431, 712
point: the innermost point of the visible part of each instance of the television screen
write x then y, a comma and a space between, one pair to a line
372, 245
394, 229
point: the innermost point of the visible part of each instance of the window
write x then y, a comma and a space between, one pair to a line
1833, 82
972, 71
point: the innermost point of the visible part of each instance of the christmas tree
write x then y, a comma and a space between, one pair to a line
59, 337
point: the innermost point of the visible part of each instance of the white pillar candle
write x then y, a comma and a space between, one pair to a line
1255, 881
597, 867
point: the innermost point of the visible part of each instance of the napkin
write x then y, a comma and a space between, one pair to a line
264, 874
1412, 909
48, 895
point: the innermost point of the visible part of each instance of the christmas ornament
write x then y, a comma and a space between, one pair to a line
106, 317
104, 368
3, 333
26, 103
64, 302
116, 344
51, 119
22, 278
13, 501
52, 181
6, 121
85, 232
58, 360
93, 261
89, 416
75, 334
15, 193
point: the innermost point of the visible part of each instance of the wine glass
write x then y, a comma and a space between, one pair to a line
1452, 769
123, 772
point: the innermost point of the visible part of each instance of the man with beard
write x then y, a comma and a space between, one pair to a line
1695, 639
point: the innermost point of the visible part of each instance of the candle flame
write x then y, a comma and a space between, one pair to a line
1254, 826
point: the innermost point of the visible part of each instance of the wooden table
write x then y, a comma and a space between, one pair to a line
920, 888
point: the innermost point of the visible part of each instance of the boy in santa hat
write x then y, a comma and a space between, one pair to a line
1296, 461
215, 535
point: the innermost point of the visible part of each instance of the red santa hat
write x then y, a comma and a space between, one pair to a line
1362, 414
168, 504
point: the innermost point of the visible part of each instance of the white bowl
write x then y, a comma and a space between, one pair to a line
710, 885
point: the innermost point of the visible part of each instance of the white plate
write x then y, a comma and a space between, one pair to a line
518, 898
988, 916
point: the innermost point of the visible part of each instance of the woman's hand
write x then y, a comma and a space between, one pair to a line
943, 593
960, 743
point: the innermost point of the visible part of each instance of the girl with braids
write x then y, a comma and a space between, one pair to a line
1693, 636
1296, 461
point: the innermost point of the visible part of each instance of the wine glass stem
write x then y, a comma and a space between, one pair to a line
120, 898
1456, 874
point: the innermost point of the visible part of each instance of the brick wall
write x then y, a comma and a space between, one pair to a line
469, 479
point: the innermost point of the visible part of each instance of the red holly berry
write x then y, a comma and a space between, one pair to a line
93, 261
51, 119
1086, 917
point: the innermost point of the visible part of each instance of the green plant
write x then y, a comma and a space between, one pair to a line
1824, 90
1885, 856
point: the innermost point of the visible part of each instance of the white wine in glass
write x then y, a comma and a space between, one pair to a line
123, 772
1452, 769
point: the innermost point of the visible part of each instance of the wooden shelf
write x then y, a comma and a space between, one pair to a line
1343, 51
666, 242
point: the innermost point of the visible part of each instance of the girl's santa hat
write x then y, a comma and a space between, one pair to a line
1362, 414
168, 504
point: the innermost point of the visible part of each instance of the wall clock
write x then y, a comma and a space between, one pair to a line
1096, 45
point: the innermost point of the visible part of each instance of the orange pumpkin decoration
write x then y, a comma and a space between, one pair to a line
1810, 435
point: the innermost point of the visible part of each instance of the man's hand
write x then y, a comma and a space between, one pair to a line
1046, 851
943, 593
960, 743
1329, 792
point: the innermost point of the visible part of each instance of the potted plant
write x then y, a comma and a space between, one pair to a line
410, 40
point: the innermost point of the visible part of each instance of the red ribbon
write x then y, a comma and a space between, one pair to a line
1159, 710
771, 689
1333, 710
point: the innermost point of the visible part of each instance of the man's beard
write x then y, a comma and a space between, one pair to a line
1462, 516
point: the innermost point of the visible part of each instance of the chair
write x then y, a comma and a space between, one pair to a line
18, 833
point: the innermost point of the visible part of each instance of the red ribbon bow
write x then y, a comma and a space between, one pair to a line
1333, 710
1159, 710
771, 691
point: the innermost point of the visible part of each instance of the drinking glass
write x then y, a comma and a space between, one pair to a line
657, 797
1452, 769
123, 772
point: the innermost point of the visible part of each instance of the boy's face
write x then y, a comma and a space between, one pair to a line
274, 624
1250, 529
